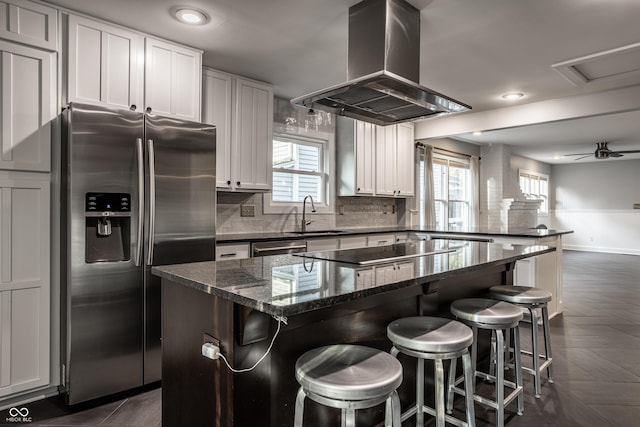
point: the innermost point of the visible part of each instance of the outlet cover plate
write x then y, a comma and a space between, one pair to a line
247, 210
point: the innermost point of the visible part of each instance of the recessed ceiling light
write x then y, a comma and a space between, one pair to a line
191, 16
477, 133
513, 95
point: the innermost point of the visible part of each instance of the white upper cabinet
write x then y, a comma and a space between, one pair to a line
375, 160
216, 110
395, 160
30, 23
106, 64
355, 157
365, 157
173, 79
242, 112
116, 67
28, 107
405, 160
386, 160
252, 136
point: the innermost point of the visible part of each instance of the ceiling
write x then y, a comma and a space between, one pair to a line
474, 51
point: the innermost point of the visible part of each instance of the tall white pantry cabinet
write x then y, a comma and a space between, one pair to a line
28, 76
103, 64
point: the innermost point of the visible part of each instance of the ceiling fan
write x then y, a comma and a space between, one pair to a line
603, 152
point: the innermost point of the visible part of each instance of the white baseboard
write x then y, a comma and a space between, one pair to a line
29, 397
606, 250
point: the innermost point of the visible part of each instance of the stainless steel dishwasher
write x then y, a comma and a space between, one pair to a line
278, 247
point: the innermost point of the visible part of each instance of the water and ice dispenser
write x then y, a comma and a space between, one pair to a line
108, 227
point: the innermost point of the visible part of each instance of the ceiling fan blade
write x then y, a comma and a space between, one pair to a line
616, 154
580, 158
579, 154
628, 151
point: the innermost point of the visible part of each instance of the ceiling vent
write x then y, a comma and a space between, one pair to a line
616, 67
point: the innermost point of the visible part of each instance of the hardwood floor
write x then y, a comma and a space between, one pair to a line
596, 359
596, 349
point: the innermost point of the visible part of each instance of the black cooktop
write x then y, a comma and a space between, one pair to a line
381, 254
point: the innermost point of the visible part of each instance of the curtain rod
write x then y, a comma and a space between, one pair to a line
422, 145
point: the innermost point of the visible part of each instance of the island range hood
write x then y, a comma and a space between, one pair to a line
383, 69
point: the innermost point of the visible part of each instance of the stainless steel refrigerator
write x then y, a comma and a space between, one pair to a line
137, 190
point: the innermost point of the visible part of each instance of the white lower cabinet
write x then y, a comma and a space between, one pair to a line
353, 242
402, 237
365, 278
24, 281
390, 273
384, 274
232, 251
381, 239
541, 271
317, 245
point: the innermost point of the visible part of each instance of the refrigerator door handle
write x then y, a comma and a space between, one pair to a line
152, 199
140, 154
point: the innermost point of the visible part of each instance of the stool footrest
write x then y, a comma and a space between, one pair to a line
543, 366
488, 402
428, 410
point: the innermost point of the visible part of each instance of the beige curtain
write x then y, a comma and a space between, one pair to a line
428, 217
474, 206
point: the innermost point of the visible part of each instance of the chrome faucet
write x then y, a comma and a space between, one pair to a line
304, 212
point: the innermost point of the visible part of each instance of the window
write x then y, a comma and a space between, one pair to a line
451, 182
535, 186
300, 168
452, 191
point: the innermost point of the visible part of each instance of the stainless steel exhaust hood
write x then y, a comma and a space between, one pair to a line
383, 69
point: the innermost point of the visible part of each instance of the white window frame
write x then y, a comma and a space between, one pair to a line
438, 156
535, 196
326, 141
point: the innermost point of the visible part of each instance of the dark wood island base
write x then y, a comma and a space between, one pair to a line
197, 391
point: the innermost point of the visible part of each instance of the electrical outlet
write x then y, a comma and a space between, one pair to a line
247, 210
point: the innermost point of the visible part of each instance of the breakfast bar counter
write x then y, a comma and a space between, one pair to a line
283, 306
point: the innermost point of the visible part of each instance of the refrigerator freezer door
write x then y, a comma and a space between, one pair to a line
181, 198
180, 211
101, 301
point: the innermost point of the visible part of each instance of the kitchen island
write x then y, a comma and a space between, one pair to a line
241, 304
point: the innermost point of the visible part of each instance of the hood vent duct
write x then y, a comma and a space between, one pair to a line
383, 69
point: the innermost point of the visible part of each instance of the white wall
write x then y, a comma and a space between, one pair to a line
596, 201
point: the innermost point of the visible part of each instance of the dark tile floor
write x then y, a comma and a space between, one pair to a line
596, 345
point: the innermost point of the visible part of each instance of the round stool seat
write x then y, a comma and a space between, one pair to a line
430, 334
348, 372
486, 311
520, 294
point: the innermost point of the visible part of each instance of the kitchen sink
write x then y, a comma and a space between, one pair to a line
316, 232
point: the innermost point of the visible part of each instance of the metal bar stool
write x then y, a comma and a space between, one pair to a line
480, 313
532, 299
349, 377
435, 339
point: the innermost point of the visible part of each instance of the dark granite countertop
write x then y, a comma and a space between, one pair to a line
291, 235
286, 285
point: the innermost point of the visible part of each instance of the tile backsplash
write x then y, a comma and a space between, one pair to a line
350, 212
